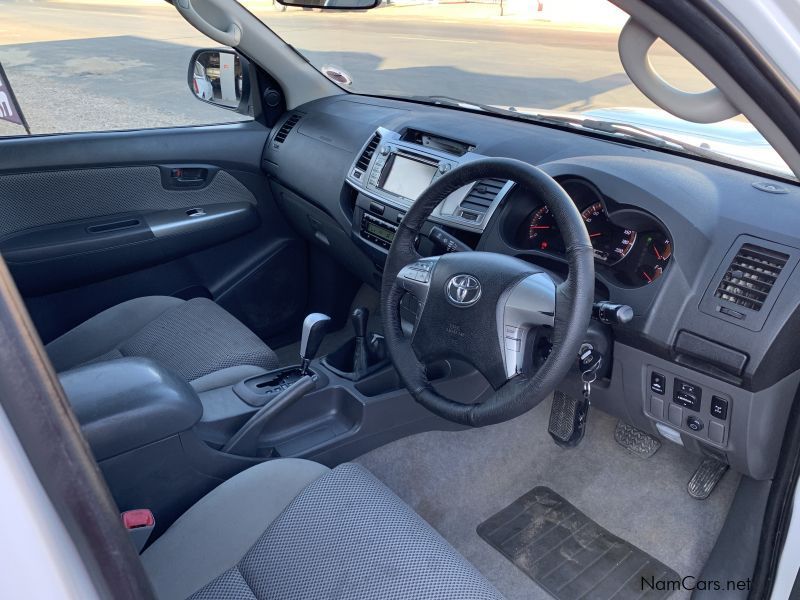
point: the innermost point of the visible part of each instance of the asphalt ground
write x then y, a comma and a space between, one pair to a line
90, 67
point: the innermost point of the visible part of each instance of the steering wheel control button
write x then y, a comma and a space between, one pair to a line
463, 290
694, 424
658, 383
513, 338
420, 272
687, 394
719, 408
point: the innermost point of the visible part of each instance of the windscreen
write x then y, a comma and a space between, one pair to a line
554, 57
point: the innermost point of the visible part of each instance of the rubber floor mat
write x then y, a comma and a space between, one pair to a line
571, 556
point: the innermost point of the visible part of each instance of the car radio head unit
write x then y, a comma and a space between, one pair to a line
391, 171
400, 174
407, 175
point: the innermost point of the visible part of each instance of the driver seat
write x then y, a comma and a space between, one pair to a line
294, 529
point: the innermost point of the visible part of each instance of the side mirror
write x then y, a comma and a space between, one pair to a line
221, 78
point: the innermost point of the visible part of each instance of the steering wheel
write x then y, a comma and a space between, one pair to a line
488, 309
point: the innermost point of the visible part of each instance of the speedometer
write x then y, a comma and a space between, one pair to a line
611, 243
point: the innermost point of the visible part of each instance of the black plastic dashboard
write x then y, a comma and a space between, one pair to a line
704, 254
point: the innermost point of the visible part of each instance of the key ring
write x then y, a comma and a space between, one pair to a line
590, 375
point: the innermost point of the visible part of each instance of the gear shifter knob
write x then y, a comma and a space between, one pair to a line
359, 320
315, 326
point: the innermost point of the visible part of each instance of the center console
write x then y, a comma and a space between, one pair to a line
394, 168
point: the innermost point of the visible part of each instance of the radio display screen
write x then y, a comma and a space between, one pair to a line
408, 178
381, 232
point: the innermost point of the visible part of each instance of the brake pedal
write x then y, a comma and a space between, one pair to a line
636, 441
567, 419
706, 478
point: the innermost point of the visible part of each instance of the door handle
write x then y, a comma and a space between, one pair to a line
188, 176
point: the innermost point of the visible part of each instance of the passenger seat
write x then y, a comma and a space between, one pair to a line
194, 338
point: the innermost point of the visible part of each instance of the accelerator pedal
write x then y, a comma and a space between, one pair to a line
567, 419
706, 478
636, 441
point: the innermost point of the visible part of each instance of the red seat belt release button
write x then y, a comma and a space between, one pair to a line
140, 524
141, 517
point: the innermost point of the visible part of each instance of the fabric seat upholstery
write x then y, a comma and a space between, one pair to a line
192, 337
343, 534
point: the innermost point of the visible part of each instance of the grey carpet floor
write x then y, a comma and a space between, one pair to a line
456, 480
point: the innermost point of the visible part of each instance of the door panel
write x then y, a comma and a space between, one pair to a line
184, 212
44, 198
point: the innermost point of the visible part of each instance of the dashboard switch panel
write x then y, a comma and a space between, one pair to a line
658, 383
682, 404
657, 407
687, 394
694, 424
719, 408
716, 432
675, 414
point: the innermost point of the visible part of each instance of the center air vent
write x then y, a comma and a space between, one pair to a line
751, 275
366, 156
287, 126
476, 204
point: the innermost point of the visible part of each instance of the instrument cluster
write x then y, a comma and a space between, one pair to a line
629, 244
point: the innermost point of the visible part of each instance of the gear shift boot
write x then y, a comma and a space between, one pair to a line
360, 355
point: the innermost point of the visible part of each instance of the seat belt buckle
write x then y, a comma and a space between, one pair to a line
139, 524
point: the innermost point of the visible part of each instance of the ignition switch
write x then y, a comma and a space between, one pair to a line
588, 358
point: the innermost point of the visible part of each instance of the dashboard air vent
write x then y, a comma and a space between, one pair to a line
366, 156
475, 205
287, 126
749, 278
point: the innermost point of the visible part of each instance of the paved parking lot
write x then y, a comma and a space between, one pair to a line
83, 67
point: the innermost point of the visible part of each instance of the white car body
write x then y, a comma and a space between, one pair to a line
202, 86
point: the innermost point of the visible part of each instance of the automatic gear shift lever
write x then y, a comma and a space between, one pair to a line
315, 326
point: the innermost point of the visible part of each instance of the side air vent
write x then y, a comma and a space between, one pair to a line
476, 204
751, 275
366, 156
287, 127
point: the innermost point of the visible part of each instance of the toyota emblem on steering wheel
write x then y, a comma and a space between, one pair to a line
463, 290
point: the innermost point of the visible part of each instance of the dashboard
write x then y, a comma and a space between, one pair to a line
704, 255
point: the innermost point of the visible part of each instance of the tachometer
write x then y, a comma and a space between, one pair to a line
611, 243
543, 232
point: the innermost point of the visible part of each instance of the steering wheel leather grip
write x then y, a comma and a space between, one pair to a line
466, 331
